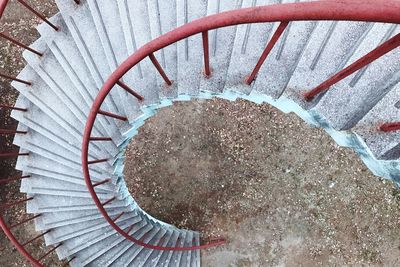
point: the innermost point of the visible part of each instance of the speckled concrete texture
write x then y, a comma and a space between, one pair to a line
282, 193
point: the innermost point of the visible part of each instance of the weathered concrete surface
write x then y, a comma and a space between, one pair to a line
282, 193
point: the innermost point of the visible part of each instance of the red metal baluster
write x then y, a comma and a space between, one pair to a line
35, 238
15, 79
108, 201
15, 203
207, 70
6, 181
101, 182
97, 161
112, 115
7, 131
159, 69
390, 127
13, 154
129, 90
119, 216
100, 139
25, 221
278, 33
378, 52
67, 263
13, 108
38, 14
21, 44
130, 228
49, 252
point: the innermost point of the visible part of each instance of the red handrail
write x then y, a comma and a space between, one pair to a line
370, 11
3, 5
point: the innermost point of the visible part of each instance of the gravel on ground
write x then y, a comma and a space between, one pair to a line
281, 192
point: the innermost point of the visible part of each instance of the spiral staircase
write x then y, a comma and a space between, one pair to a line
101, 68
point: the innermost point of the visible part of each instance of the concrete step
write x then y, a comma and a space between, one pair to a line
324, 56
196, 260
187, 255
76, 245
52, 220
249, 43
64, 233
190, 50
385, 146
279, 66
60, 178
175, 259
151, 258
221, 43
83, 29
35, 142
164, 258
67, 53
141, 231
144, 254
46, 186
35, 163
55, 77
117, 250
134, 253
109, 27
39, 121
348, 101
42, 96
137, 32
162, 18
46, 203
87, 255
103, 251
48, 68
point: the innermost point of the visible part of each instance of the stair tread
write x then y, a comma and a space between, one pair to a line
349, 102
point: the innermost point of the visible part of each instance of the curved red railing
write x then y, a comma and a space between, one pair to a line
357, 10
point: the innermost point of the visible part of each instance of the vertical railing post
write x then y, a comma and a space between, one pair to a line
15, 79
207, 70
20, 44
22, 2
281, 28
378, 52
159, 69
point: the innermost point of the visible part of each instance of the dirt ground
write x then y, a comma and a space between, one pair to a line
282, 193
